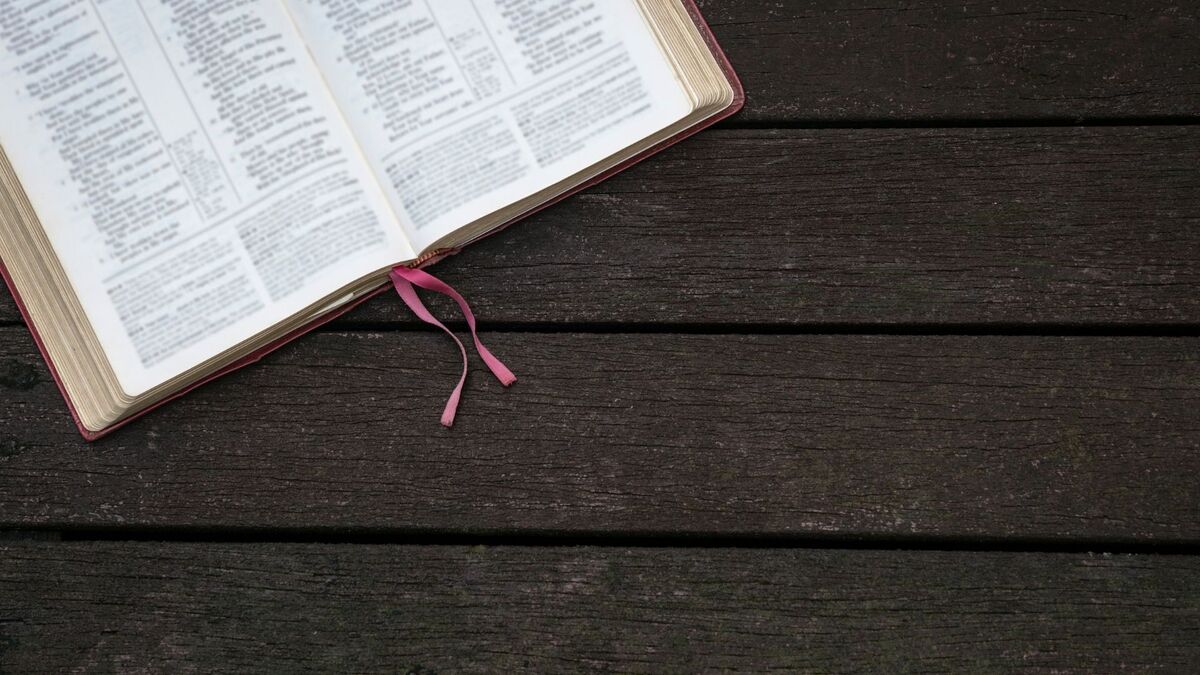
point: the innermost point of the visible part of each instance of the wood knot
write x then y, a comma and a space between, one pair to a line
19, 375
10, 448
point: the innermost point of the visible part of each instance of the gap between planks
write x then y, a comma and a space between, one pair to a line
385, 537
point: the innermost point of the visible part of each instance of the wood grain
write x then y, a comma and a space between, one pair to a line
144, 607
974, 438
856, 61
811, 228
631, 432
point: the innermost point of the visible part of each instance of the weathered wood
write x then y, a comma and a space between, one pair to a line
922, 60
1077, 226
143, 607
1079, 439
952, 439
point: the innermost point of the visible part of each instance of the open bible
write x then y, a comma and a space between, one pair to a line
185, 185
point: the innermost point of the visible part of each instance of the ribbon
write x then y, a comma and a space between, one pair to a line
404, 279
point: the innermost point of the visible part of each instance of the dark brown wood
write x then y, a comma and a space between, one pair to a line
1015, 226
142, 607
710, 436
934, 60
1072, 439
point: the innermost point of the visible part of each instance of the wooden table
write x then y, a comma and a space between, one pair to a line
899, 369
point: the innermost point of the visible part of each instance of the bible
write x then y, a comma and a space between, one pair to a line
185, 186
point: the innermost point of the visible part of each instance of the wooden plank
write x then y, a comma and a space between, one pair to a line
146, 607
812, 228
816, 61
1031, 438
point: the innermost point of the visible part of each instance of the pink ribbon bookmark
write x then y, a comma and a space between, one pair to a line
404, 278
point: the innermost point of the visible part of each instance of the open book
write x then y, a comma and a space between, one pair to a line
184, 185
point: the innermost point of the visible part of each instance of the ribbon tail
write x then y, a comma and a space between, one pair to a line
409, 295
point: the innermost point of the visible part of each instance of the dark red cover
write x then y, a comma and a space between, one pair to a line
738, 101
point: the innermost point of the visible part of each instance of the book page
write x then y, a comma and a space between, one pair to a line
191, 170
467, 106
